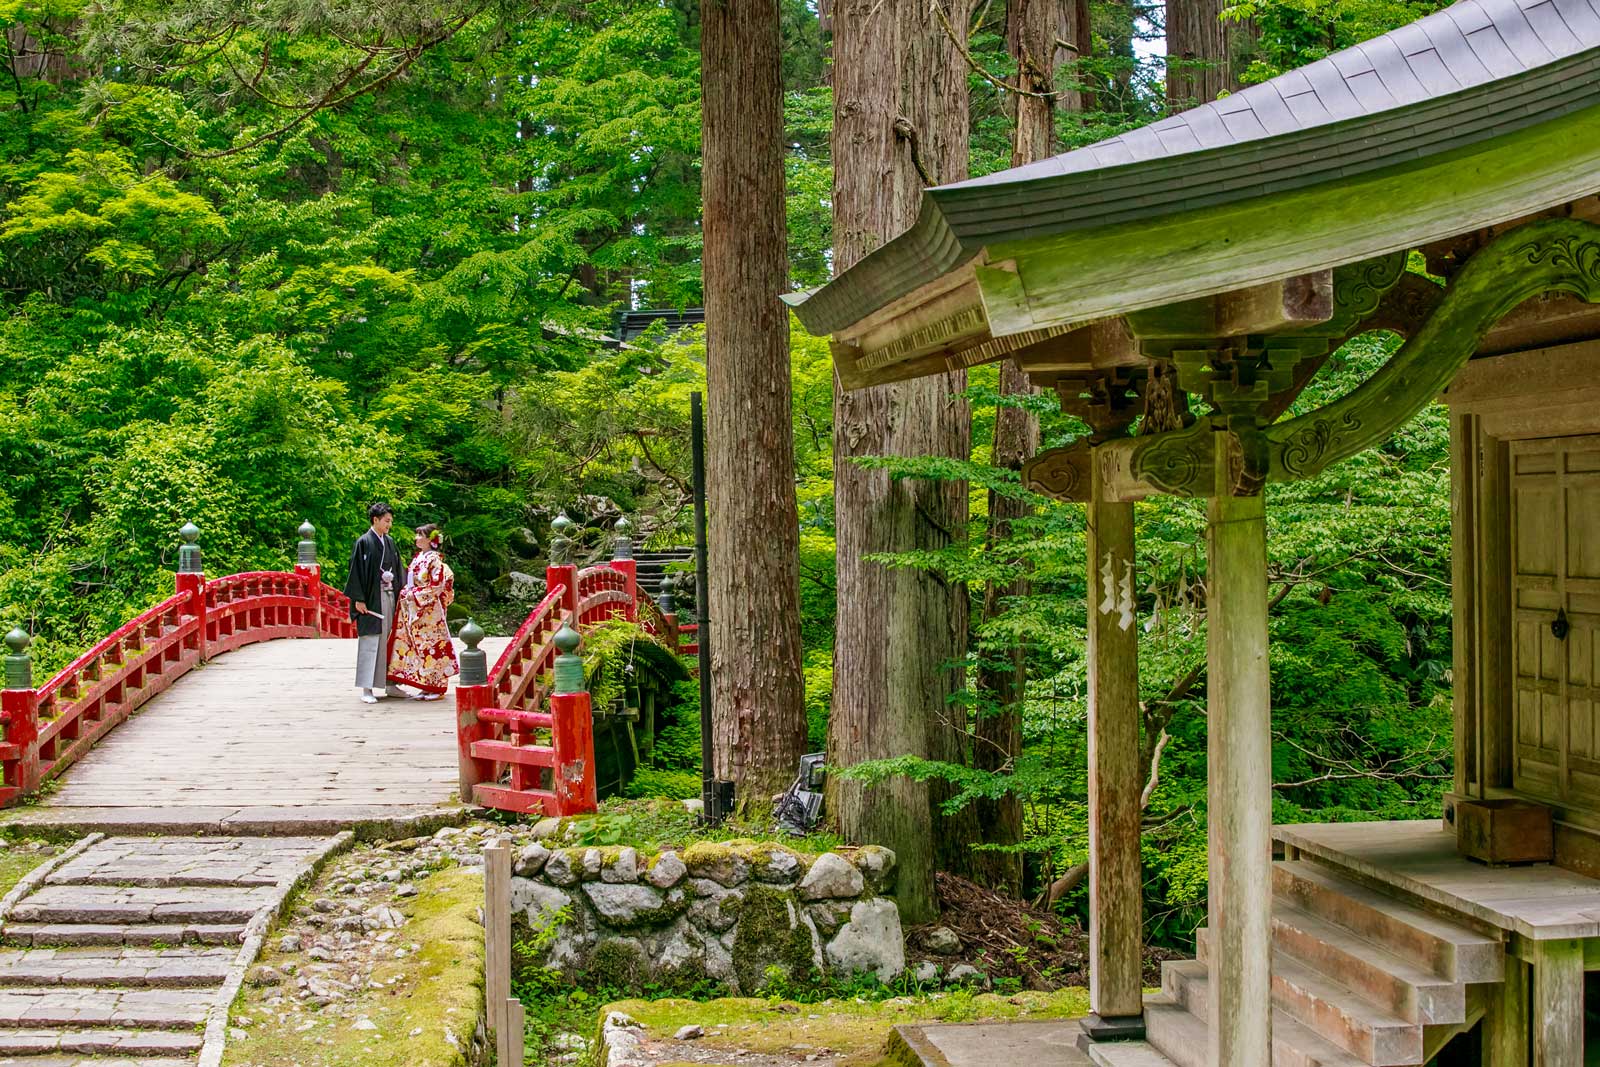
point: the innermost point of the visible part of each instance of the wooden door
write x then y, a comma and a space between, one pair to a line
1555, 565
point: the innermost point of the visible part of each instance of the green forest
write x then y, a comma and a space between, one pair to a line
268, 263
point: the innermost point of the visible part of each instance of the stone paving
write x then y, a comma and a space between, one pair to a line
129, 951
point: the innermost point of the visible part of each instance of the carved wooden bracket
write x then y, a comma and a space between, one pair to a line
1550, 255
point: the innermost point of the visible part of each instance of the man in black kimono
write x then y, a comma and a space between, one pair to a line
376, 578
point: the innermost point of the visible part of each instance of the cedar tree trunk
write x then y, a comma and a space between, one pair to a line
758, 689
1199, 63
900, 633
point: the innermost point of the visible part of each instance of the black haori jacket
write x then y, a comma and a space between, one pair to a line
371, 554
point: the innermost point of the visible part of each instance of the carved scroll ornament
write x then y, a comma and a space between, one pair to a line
1550, 255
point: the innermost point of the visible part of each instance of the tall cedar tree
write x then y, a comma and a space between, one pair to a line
759, 718
900, 631
1199, 61
1039, 34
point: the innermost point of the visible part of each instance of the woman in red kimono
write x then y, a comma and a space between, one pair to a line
420, 652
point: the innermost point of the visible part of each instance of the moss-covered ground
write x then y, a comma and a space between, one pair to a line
851, 1032
17, 858
423, 1015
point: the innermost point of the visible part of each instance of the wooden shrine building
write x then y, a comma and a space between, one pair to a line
1179, 285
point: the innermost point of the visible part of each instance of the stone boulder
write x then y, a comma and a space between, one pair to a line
871, 941
667, 871
832, 877
876, 865
716, 861
632, 905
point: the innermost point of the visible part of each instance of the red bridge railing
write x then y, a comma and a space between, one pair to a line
525, 727
47, 728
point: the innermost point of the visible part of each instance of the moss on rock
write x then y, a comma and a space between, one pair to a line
771, 937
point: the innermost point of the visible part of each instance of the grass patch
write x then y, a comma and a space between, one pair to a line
17, 858
425, 1017
654, 824
855, 1030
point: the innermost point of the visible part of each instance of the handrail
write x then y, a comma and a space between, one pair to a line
500, 711
104, 645
47, 728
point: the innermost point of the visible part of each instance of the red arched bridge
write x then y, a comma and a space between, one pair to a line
244, 688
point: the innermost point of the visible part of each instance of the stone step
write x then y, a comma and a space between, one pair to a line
1337, 1012
141, 904
1448, 949
1171, 1029
101, 1042
1392, 982
122, 967
1127, 1054
177, 862
1293, 1043
60, 935
77, 1006
74, 1059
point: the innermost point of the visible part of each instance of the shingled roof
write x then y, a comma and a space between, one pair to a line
1478, 70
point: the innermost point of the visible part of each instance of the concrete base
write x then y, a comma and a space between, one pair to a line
1097, 1028
1052, 1042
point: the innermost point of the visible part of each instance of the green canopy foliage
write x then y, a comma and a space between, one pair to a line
269, 262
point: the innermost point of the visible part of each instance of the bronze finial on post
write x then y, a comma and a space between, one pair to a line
561, 539
19, 665
474, 660
189, 551
306, 548
569, 665
622, 542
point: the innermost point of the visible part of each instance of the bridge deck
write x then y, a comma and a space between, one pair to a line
272, 732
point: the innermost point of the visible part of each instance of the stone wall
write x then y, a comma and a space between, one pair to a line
739, 913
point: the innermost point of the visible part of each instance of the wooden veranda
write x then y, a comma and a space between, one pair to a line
1179, 286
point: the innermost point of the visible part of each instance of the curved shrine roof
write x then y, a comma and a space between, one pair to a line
1476, 71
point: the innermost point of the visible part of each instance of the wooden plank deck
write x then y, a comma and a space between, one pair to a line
273, 725
1541, 902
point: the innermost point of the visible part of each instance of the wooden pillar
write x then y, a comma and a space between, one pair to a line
1116, 931
1239, 790
1505, 1025
497, 942
1558, 1004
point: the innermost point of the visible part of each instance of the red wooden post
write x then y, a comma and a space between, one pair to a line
20, 702
473, 693
191, 580
307, 567
572, 730
622, 560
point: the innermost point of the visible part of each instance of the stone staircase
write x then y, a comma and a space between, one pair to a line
130, 950
652, 566
1360, 978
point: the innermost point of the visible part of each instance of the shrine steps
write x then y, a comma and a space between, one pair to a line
1360, 978
129, 950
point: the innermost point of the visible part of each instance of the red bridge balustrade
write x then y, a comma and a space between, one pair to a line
525, 727
48, 728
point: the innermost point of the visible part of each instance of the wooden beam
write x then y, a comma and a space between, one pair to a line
1116, 932
1558, 1004
1239, 767
1291, 303
1552, 255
